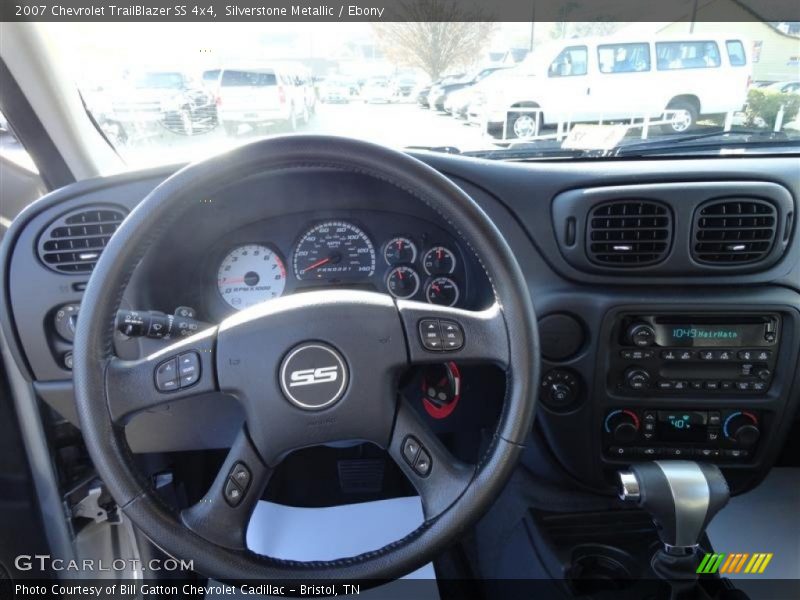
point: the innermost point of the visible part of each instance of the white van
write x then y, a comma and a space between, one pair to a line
261, 96
678, 78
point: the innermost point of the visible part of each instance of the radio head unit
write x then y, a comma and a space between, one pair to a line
681, 354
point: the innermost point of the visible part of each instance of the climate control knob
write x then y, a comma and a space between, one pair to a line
622, 425
637, 378
641, 334
742, 427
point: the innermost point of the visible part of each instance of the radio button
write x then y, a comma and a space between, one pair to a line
665, 385
696, 385
763, 355
746, 354
724, 355
705, 355
685, 355
680, 385
759, 386
726, 385
743, 386
669, 355
711, 385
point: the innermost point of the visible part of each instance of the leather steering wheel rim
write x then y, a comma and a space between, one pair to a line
94, 358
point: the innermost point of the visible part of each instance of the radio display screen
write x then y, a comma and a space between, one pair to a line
709, 334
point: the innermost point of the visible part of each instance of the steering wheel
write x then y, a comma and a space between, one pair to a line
308, 369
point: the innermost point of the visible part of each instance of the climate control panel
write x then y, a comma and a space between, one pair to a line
724, 435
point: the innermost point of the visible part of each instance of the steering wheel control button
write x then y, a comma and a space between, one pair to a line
233, 493
437, 335
411, 448
189, 368
313, 376
430, 334
422, 466
452, 335
167, 376
241, 475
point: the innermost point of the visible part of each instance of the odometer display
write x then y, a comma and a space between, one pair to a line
334, 250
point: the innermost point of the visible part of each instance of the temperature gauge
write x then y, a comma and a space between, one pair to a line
443, 291
403, 282
439, 261
400, 250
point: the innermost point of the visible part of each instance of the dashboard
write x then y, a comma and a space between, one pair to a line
683, 343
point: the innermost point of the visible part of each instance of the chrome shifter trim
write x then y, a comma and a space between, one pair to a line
691, 496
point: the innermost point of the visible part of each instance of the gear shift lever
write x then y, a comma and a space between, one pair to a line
682, 497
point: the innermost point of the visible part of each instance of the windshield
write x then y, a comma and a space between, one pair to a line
575, 89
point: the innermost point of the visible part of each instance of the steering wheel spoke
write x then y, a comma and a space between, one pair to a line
438, 476
438, 333
222, 515
185, 368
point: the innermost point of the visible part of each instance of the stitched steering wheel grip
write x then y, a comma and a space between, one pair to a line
109, 390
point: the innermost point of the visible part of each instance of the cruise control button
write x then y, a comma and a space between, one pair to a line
167, 376
411, 449
233, 493
189, 368
430, 334
423, 464
452, 335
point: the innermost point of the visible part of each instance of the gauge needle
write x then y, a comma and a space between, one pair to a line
319, 263
232, 280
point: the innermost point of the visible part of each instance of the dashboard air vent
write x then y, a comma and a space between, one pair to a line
73, 243
734, 231
628, 233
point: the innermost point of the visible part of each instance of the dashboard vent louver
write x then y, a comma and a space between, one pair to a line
734, 231
628, 233
73, 243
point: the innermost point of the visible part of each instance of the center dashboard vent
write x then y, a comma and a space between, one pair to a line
628, 233
73, 242
734, 231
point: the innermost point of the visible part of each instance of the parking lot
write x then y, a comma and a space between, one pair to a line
396, 124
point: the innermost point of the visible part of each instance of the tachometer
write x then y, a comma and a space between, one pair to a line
334, 250
249, 275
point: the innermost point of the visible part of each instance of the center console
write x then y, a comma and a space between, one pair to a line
690, 385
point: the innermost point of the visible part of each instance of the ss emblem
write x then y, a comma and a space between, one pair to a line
314, 376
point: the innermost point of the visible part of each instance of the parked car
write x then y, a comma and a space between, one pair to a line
169, 99
438, 94
619, 78
784, 87
458, 102
402, 88
376, 90
335, 91
261, 96
424, 92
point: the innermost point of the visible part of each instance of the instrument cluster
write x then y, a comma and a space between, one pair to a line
419, 261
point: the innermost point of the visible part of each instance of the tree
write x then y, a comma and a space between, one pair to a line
436, 36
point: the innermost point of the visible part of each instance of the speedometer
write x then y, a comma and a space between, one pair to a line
249, 275
334, 250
